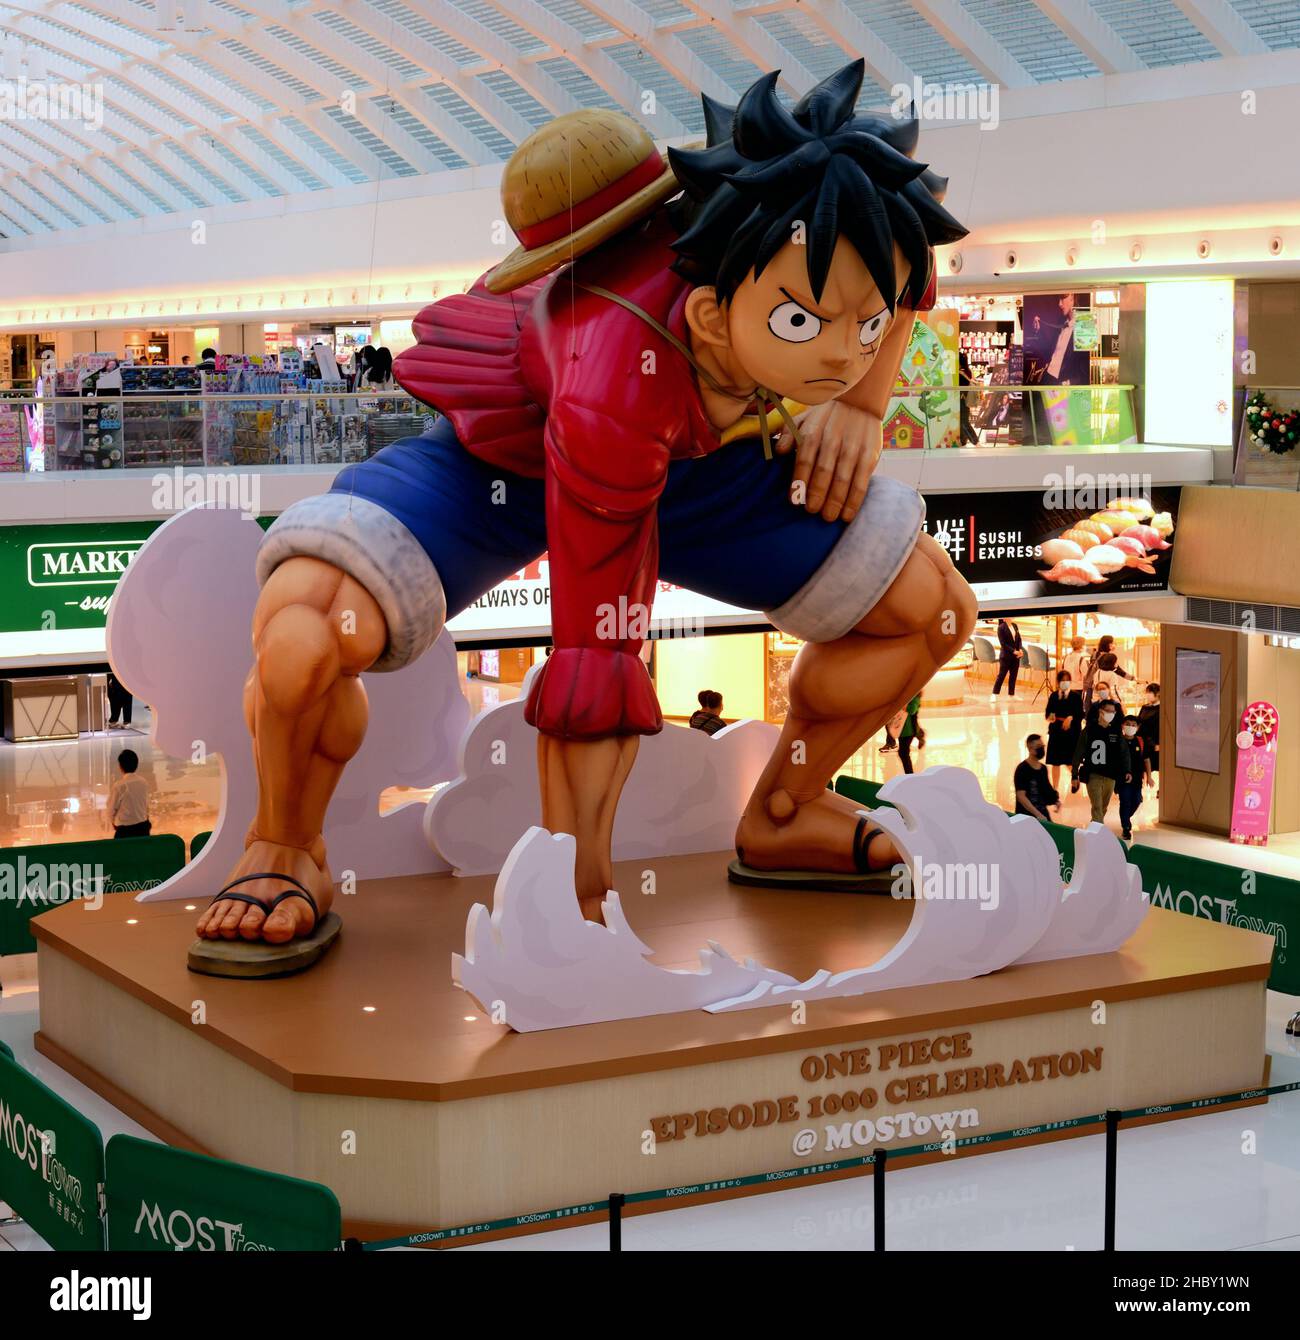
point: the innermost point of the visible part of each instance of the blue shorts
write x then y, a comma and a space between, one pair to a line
423, 512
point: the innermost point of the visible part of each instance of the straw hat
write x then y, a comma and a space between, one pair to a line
573, 184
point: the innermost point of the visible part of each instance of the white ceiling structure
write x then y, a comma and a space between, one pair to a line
213, 103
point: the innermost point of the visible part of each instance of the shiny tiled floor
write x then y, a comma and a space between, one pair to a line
1185, 1185
57, 792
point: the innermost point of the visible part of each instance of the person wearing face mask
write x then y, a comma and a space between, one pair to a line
1035, 794
1102, 759
1149, 730
1130, 791
1064, 723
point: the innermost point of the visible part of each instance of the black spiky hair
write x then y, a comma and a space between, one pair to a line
767, 168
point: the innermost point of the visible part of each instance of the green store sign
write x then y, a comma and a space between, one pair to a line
63, 576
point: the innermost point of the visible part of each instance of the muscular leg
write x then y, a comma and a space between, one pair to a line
314, 631
581, 782
841, 693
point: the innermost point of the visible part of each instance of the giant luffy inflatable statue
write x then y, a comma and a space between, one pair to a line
611, 393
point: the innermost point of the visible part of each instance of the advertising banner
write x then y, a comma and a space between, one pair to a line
51, 1162
168, 1200
35, 879
927, 418
1252, 796
996, 540
1256, 902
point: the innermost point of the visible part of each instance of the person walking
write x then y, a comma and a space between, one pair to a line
1129, 791
1149, 730
1010, 646
128, 801
1064, 715
1075, 662
1035, 794
1102, 758
120, 701
909, 732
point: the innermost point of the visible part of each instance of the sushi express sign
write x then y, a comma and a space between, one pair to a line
996, 542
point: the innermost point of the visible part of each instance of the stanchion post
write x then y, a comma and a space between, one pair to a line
352, 1245
616, 1202
1112, 1160
878, 1187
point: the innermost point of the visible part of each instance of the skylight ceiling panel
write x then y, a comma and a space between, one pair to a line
670, 93
1276, 21
326, 150
419, 132
1157, 31
405, 70
719, 53
516, 97
577, 83
478, 125
393, 161
500, 23
1032, 38
341, 74
273, 71
174, 183
410, 20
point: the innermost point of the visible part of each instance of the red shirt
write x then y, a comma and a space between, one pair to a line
553, 381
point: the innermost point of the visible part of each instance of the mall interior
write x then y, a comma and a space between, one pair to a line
205, 279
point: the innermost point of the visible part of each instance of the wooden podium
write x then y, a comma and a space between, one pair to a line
373, 1074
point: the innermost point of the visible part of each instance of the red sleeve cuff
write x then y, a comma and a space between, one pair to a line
589, 693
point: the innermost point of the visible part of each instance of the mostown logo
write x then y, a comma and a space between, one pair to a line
91, 1293
20, 1138
1210, 908
184, 1232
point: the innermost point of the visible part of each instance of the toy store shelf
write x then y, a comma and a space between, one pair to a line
982, 469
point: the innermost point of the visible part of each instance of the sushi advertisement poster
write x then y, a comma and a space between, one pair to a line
1012, 546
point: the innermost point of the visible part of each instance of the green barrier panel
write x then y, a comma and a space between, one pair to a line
198, 842
167, 1200
866, 793
856, 788
35, 879
6, 1050
1215, 892
51, 1162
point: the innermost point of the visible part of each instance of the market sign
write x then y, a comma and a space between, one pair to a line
169, 1200
51, 1162
67, 582
92, 564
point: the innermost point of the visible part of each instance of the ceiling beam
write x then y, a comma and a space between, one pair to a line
755, 43
980, 48
566, 41
856, 39
1102, 45
1225, 28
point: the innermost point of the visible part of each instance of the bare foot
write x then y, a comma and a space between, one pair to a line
815, 836
229, 920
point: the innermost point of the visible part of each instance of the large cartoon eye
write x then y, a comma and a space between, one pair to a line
873, 328
791, 322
